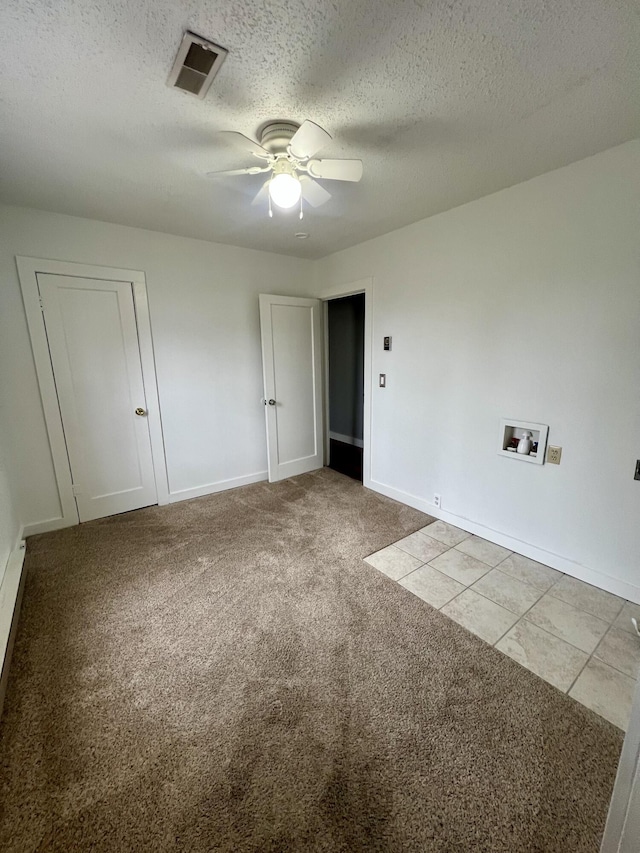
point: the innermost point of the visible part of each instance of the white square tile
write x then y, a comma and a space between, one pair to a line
432, 586
482, 550
460, 567
603, 604
621, 650
523, 569
479, 615
393, 562
421, 546
446, 533
507, 592
577, 627
623, 619
606, 691
557, 662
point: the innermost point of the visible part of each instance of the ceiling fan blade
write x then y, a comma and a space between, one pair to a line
312, 192
263, 194
249, 170
307, 140
239, 140
336, 170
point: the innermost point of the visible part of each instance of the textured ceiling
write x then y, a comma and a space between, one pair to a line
444, 101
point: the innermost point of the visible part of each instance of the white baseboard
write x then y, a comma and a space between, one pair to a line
220, 486
346, 439
10, 599
52, 524
47, 526
622, 588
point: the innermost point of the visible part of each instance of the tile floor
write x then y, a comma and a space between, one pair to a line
575, 636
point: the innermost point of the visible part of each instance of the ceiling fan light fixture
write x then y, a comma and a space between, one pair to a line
288, 149
285, 190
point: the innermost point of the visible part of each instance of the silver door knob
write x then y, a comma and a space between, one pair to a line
272, 402
140, 412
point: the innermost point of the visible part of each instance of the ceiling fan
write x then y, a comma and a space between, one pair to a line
288, 150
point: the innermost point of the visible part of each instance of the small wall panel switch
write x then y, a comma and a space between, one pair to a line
387, 343
383, 380
554, 454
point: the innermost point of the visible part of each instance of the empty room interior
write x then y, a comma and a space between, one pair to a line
320, 426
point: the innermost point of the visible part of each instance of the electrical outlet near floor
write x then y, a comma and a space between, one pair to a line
554, 454
436, 501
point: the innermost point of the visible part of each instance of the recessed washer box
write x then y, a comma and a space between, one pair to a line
511, 431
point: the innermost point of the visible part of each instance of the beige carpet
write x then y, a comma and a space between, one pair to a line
226, 674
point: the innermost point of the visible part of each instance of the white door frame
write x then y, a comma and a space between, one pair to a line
28, 269
622, 830
337, 291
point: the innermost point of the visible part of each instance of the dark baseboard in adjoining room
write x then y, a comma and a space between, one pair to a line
345, 459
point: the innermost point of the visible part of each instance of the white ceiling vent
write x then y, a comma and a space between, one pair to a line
197, 63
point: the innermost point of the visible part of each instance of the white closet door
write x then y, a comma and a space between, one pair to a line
292, 366
93, 342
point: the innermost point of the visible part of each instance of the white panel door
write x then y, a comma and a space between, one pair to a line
292, 367
93, 342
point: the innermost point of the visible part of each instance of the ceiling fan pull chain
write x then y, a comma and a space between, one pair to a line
301, 213
270, 209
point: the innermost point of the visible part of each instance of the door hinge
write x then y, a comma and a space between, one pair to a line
76, 490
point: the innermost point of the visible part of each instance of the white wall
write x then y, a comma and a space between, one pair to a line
524, 304
204, 312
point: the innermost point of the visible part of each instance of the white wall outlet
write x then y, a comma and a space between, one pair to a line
437, 501
554, 455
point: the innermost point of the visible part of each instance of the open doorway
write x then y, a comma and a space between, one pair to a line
345, 332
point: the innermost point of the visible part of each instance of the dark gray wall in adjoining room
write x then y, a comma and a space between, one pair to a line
346, 365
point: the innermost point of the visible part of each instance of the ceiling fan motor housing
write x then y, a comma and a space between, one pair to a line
276, 136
